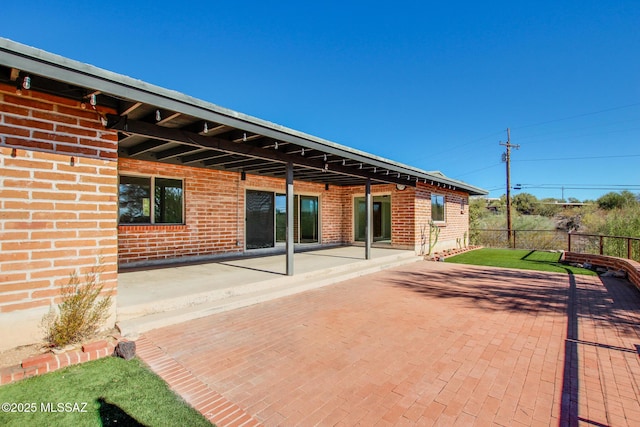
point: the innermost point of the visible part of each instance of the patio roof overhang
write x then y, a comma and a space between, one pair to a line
161, 125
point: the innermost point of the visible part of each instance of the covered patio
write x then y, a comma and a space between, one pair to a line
150, 297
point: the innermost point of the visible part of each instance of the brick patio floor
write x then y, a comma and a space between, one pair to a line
424, 344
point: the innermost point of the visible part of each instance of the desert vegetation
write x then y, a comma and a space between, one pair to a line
613, 214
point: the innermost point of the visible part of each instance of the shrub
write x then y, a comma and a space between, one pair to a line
81, 313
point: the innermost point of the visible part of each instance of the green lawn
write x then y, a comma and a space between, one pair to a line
105, 392
523, 259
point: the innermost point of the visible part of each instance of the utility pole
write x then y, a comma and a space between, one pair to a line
507, 160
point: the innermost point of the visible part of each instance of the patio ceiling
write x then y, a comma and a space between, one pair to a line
165, 126
187, 140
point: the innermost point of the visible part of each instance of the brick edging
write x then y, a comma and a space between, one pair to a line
441, 255
49, 362
215, 407
631, 267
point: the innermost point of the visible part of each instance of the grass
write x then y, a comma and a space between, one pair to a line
523, 259
112, 391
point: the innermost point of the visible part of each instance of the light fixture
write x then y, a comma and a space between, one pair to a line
387, 172
206, 128
360, 166
302, 152
26, 82
244, 137
325, 158
93, 99
276, 145
408, 177
375, 169
344, 162
158, 116
398, 174
326, 167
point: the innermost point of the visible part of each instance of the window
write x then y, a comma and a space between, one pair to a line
437, 208
135, 205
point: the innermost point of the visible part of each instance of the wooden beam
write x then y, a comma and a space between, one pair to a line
199, 157
248, 138
175, 152
193, 139
131, 108
168, 118
145, 146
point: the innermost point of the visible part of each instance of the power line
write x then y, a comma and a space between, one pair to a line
589, 185
478, 170
456, 147
579, 115
578, 158
580, 128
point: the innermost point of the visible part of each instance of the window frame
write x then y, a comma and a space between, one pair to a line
444, 208
152, 195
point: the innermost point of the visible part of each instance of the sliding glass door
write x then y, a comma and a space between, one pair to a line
260, 219
305, 219
381, 213
308, 220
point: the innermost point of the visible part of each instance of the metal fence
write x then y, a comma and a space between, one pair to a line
597, 244
521, 239
617, 246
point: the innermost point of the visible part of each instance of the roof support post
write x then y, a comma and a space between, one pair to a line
289, 239
369, 214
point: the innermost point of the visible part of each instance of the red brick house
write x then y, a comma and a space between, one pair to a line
96, 164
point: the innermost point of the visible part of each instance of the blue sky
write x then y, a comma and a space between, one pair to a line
430, 84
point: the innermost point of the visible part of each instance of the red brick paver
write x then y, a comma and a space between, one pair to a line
423, 344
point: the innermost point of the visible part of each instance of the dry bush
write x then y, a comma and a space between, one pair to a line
81, 312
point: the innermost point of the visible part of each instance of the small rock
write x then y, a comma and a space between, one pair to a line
620, 274
125, 349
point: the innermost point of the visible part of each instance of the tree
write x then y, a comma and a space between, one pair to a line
549, 207
525, 203
615, 200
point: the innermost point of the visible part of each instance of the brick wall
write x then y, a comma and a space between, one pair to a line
411, 215
403, 219
631, 267
58, 188
456, 225
214, 213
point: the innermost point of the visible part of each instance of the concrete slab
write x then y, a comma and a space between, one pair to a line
158, 297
